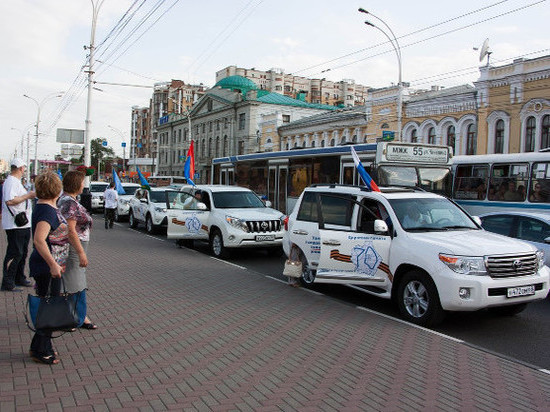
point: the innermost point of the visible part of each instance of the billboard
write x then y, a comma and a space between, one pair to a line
71, 150
75, 136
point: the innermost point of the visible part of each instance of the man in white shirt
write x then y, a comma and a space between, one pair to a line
16, 199
111, 202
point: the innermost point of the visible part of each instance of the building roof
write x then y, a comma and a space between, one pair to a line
455, 90
276, 98
237, 82
339, 114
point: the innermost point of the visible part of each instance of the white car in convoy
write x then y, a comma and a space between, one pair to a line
148, 206
123, 204
417, 248
96, 190
227, 217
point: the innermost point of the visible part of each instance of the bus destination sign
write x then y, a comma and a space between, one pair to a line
416, 153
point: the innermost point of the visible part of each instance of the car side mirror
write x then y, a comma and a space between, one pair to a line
477, 220
380, 226
547, 239
268, 203
201, 206
143, 200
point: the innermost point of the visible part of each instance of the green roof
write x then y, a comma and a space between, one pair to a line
276, 98
237, 82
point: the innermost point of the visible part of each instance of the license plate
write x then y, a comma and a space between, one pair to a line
521, 291
262, 238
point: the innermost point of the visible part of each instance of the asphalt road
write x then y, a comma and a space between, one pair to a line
523, 337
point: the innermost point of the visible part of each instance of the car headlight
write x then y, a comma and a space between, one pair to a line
236, 222
465, 265
160, 209
540, 259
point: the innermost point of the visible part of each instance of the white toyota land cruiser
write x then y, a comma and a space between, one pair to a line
226, 216
417, 248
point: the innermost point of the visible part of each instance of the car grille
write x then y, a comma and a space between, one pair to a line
262, 226
512, 265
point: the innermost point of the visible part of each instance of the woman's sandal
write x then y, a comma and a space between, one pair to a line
89, 325
47, 360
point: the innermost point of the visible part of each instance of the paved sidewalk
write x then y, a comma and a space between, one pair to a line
180, 330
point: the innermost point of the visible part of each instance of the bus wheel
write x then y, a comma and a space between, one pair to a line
418, 299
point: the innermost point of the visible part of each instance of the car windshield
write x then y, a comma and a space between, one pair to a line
430, 214
130, 190
157, 196
98, 187
236, 200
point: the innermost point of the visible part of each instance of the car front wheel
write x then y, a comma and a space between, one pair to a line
216, 245
418, 299
149, 226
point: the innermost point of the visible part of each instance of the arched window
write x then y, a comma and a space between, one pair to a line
471, 140
385, 126
414, 137
530, 129
545, 132
431, 135
313, 143
332, 142
225, 145
217, 149
451, 137
203, 144
322, 143
354, 140
210, 147
499, 136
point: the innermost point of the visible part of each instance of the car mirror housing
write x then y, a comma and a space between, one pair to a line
380, 226
201, 206
547, 239
268, 203
477, 219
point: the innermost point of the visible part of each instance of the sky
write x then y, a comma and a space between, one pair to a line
142, 42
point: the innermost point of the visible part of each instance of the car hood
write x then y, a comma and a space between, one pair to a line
471, 243
253, 214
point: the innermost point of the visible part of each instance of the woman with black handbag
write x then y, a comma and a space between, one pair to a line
51, 248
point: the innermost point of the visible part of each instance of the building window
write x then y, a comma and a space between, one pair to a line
545, 132
530, 128
241, 147
322, 143
209, 126
385, 126
499, 136
217, 148
204, 127
225, 122
242, 120
451, 137
332, 142
354, 140
286, 118
225, 145
431, 135
209, 104
471, 140
217, 125
210, 147
414, 137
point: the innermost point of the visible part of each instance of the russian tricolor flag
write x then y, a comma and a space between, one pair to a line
363, 173
189, 167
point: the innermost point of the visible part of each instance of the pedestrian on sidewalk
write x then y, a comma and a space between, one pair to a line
80, 224
49, 231
111, 201
16, 199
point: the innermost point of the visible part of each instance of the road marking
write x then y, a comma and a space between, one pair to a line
545, 371
228, 263
154, 237
275, 279
433, 332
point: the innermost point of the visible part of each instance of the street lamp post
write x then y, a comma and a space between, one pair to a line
397, 49
39, 108
114, 129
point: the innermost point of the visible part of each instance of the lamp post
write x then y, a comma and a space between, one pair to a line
397, 49
39, 108
114, 129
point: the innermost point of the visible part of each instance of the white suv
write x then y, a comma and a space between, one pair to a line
123, 204
148, 206
417, 248
96, 190
226, 216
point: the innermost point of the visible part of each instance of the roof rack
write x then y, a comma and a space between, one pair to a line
363, 188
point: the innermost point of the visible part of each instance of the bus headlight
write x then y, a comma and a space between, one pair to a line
236, 222
465, 265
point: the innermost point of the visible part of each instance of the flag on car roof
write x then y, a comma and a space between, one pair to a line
142, 180
189, 167
363, 173
118, 184
59, 174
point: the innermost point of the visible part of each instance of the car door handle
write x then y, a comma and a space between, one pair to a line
300, 232
331, 242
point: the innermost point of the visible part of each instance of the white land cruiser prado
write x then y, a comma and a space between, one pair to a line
226, 216
417, 248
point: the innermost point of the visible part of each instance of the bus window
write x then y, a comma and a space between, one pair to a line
300, 177
397, 176
508, 182
540, 183
435, 180
471, 182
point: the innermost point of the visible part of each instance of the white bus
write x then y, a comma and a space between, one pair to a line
502, 182
282, 176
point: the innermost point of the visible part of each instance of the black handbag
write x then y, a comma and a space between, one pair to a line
21, 218
56, 313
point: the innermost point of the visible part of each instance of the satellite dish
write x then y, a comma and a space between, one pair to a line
485, 51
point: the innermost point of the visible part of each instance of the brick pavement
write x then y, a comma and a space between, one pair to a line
182, 331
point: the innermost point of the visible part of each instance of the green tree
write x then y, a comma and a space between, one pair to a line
99, 154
